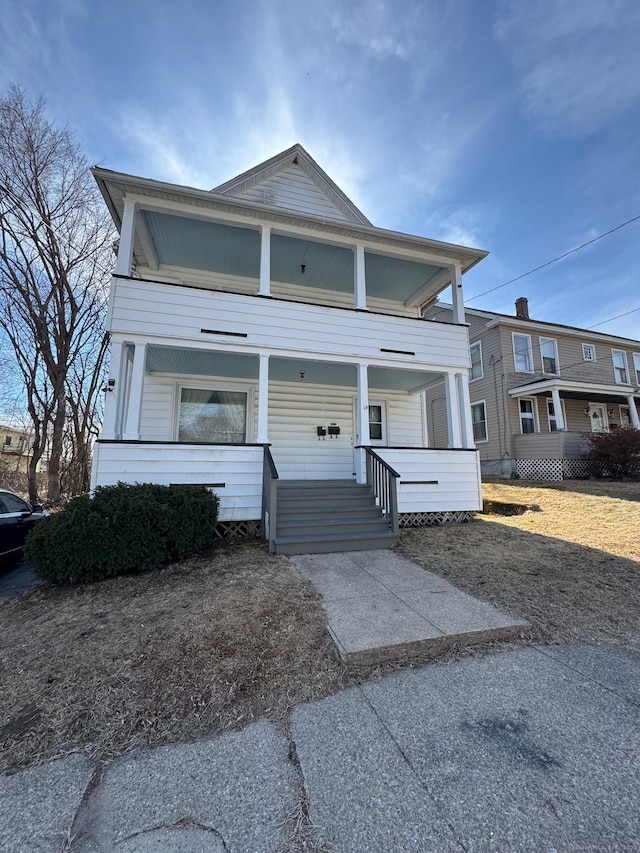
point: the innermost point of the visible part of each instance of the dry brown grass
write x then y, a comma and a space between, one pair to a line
198, 648
219, 641
572, 568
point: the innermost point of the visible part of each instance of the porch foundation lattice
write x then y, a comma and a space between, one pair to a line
551, 469
433, 519
238, 530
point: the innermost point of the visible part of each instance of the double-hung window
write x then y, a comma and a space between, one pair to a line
207, 415
477, 371
636, 366
549, 356
620, 371
479, 421
528, 421
551, 415
522, 355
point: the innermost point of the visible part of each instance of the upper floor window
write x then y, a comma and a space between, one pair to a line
7, 441
549, 355
620, 371
636, 366
477, 371
479, 421
522, 355
528, 419
588, 352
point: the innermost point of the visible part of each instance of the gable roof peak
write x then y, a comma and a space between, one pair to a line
293, 180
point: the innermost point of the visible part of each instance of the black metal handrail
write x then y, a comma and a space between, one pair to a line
269, 498
383, 481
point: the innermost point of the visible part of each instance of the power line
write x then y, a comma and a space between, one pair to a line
626, 314
554, 260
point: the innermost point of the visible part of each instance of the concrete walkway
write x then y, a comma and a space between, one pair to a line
536, 749
382, 606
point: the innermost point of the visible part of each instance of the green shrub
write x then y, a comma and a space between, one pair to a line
123, 528
614, 454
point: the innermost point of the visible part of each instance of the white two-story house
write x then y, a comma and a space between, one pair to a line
267, 341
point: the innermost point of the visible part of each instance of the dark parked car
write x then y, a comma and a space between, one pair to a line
17, 517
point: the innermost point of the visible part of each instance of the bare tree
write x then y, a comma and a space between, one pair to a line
55, 238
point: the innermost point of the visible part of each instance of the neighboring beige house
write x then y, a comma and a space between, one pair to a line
15, 447
537, 388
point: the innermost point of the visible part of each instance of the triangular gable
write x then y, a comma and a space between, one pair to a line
293, 181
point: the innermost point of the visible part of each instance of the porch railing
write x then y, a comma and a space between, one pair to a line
383, 481
269, 499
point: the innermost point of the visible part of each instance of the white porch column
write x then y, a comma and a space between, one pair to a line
462, 381
633, 412
557, 408
360, 278
265, 261
134, 409
453, 410
127, 230
113, 392
263, 400
362, 422
457, 297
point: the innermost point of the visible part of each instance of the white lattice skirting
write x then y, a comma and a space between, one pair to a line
432, 519
237, 530
551, 469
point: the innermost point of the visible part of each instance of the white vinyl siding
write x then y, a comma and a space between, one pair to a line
549, 356
477, 370
620, 368
522, 354
479, 421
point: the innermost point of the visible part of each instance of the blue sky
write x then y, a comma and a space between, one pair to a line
512, 125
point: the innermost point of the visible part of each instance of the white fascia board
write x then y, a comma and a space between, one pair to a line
146, 191
564, 385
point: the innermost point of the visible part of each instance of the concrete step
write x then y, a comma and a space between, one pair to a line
329, 544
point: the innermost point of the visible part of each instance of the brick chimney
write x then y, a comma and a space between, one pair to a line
522, 308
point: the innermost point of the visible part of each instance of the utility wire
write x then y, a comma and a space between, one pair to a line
626, 314
554, 260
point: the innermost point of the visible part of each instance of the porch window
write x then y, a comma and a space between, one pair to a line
477, 371
479, 421
522, 353
636, 366
527, 415
549, 356
216, 416
620, 372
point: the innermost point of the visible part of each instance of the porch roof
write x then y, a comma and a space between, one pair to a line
581, 390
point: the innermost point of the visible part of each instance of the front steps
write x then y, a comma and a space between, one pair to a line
321, 516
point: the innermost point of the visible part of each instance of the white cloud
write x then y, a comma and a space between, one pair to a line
578, 63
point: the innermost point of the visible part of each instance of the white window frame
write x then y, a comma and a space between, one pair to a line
534, 409
636, 367
385, 421
202, 383
481, 374
530, 352
553, 341
486, 423
554, 417
589, 348
614, 353
623, 408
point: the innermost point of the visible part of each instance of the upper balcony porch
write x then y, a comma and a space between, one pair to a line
210, 241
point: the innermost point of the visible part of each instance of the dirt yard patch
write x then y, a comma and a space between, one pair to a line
572, 569
219, 641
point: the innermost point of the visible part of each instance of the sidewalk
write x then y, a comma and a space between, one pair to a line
533, 749
381, 606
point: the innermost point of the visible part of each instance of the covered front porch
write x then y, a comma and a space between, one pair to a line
556, 417
195, 415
